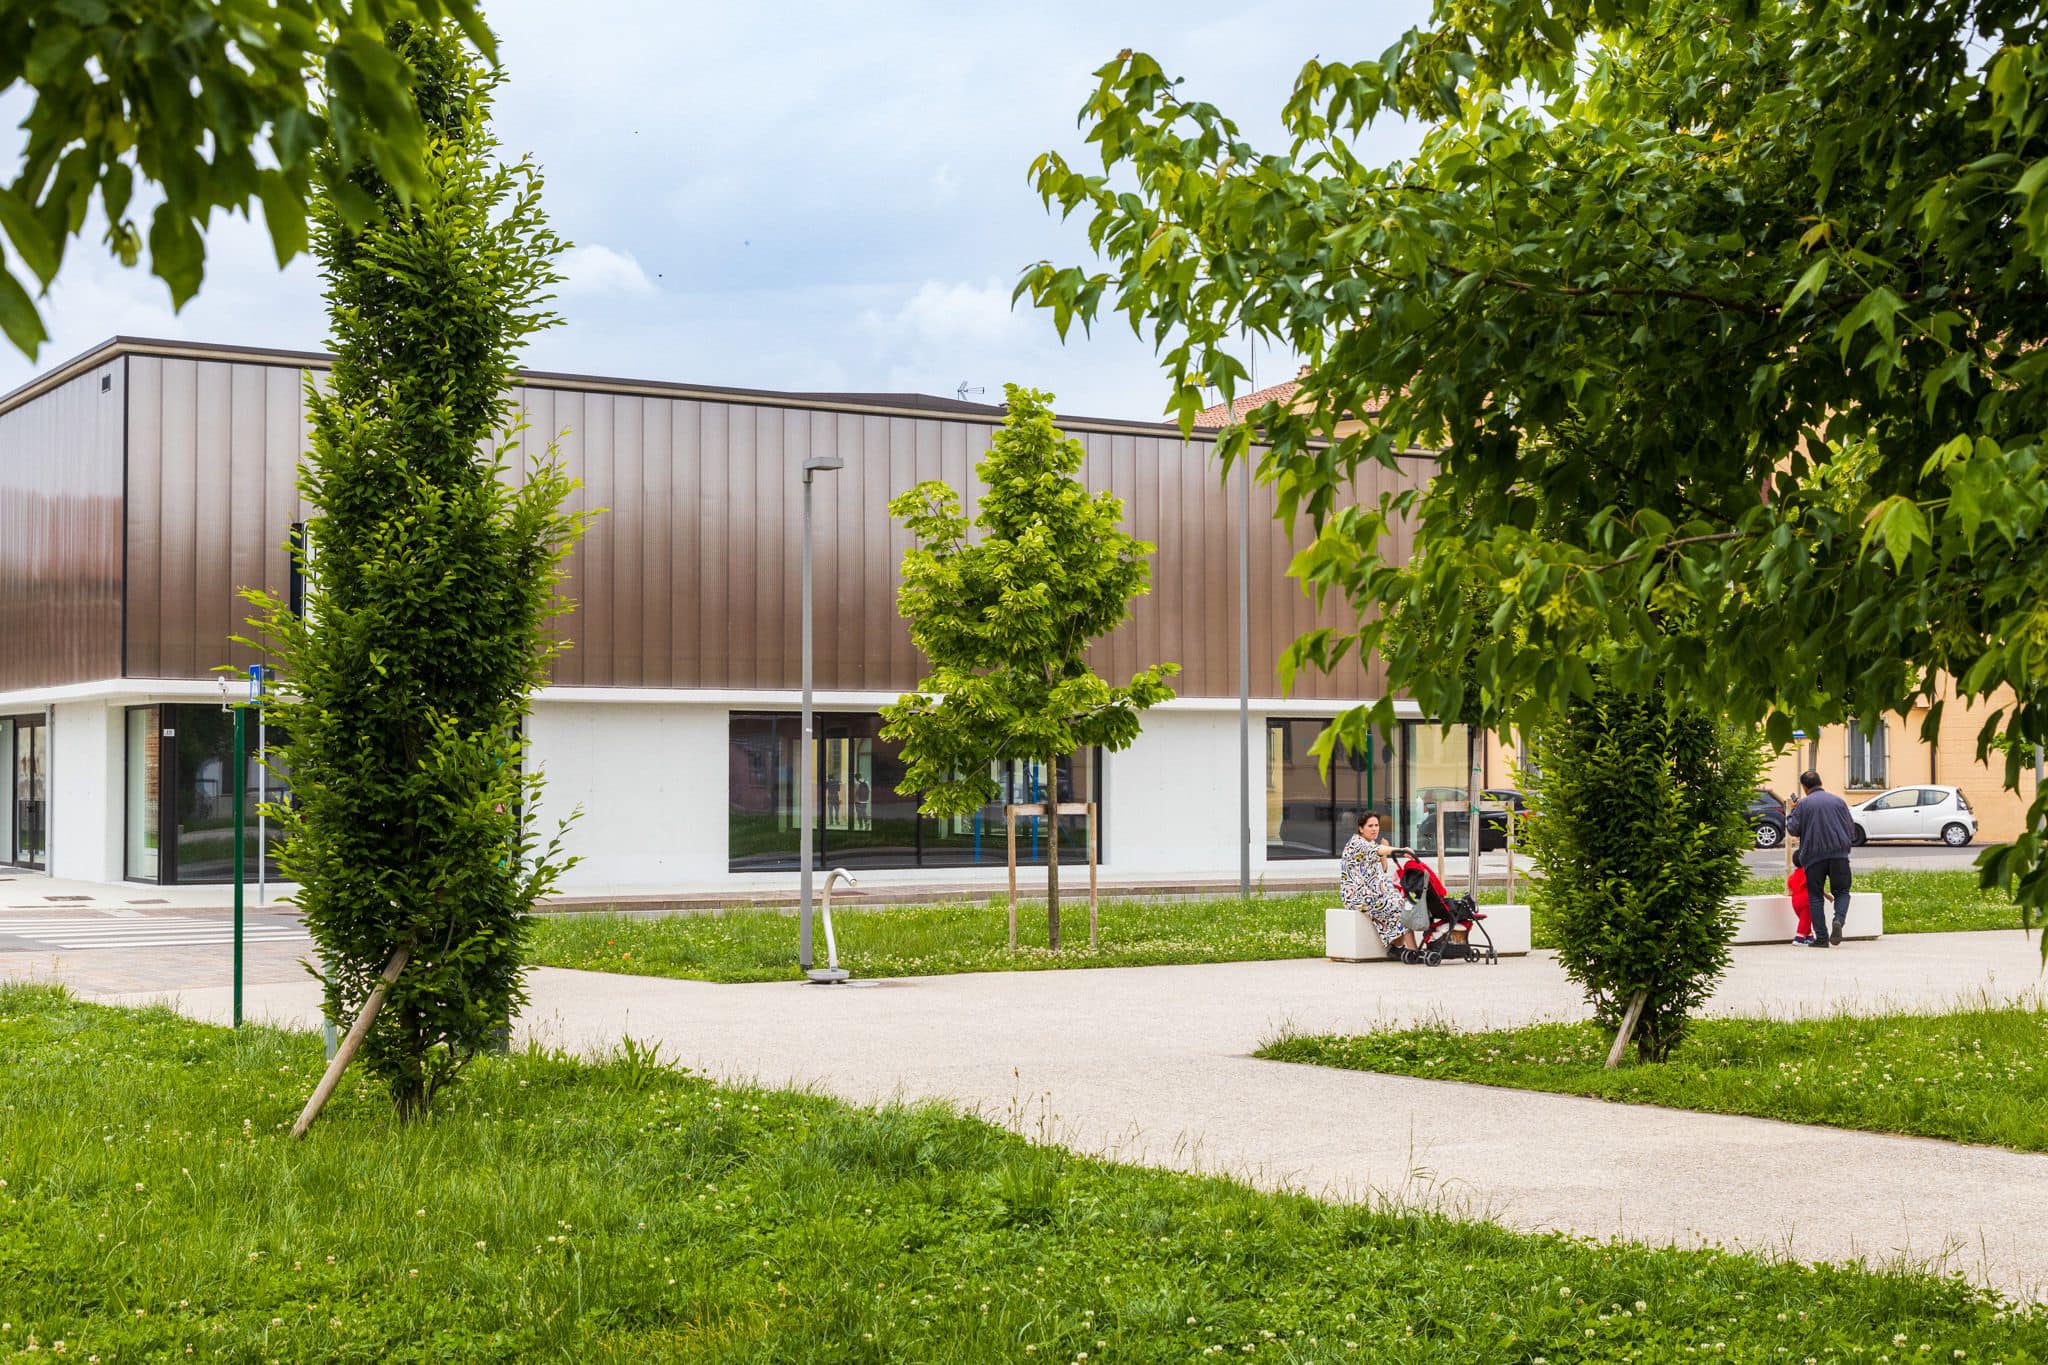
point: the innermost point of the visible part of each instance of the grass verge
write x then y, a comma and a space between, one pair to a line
930, 940
154, 1208
753, 944
1976, 1075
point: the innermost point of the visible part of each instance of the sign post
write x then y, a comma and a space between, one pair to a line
241, 800
241, 765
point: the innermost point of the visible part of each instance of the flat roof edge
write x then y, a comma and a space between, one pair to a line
920, 406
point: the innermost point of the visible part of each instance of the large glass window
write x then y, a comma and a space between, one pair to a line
982, 838
1439, 768
144, 794
861, 820
181, 796
28, 790
1405, 778
6, 789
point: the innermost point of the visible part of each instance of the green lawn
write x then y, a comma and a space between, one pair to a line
154, 1208
930, 940
752, 944
1972, 1076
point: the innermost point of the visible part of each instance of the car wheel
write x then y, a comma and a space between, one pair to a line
1860, 838
1769, 836
1955, 834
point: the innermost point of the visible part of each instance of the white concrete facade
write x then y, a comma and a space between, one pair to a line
643, 784
642, 778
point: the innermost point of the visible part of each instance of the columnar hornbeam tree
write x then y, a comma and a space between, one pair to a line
432, 570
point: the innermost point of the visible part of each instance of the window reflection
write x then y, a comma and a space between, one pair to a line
860, 818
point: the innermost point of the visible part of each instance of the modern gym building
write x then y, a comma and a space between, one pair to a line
144, 483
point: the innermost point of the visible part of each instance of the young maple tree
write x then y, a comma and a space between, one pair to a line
1005, 619
1727, 315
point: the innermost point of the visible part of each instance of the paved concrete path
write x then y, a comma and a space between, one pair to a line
1151, 1065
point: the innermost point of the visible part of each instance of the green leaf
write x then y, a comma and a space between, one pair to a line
1810, 282
18, 316
1899, 522
39, 251
176, 253
284, 213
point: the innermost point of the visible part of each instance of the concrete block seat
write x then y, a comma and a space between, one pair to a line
1349, 937
1774, 919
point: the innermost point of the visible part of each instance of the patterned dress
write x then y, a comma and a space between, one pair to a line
1367, 883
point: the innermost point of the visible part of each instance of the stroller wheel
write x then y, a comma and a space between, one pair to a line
1433, 958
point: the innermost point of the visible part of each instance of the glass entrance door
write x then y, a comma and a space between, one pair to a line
29, 795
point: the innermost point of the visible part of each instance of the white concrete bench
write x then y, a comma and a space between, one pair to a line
1773, 919
1349, 936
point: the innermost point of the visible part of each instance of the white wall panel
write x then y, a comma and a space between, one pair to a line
652, 785
1171, 798
85, 791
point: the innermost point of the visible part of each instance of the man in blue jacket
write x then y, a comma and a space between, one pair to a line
1826, 832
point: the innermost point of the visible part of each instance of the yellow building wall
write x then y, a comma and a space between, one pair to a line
1951, 761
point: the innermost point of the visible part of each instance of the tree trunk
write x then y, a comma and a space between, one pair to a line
1052, 857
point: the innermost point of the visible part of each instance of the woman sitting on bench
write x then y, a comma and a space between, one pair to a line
1365, 878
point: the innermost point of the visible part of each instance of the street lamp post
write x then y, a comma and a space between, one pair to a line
1244, 684
812, 465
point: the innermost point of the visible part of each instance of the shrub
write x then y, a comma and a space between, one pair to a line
1639, 840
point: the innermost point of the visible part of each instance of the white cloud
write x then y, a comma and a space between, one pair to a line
600, 270
951, 314
834, 199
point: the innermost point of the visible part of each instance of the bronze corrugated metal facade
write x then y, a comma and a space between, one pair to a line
689, 577
60, 533
213, 451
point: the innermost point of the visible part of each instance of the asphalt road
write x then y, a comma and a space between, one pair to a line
1915, 857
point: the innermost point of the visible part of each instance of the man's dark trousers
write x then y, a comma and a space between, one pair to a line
1834, 874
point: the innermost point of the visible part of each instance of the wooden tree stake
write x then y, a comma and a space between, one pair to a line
1628, 1027
1010, 820
1092, 896
345, 1054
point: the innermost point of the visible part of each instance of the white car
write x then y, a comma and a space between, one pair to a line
1916, 813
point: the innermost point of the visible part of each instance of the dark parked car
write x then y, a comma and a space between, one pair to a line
1766, 814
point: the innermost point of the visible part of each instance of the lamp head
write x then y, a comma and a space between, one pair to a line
815, 463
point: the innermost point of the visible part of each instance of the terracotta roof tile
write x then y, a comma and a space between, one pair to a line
1223, 415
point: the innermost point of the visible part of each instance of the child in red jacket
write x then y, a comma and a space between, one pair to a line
1795, 887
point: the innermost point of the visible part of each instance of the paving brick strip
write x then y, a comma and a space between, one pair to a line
1151, 1065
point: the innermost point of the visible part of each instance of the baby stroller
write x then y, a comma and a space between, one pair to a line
1434, 916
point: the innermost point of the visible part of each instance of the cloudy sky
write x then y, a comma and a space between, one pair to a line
794, 196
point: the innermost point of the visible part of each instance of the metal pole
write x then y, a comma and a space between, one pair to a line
1474, 826
803, 941
262, 821
241, 792
1244, 685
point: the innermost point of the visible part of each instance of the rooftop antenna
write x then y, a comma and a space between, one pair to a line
963, 391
